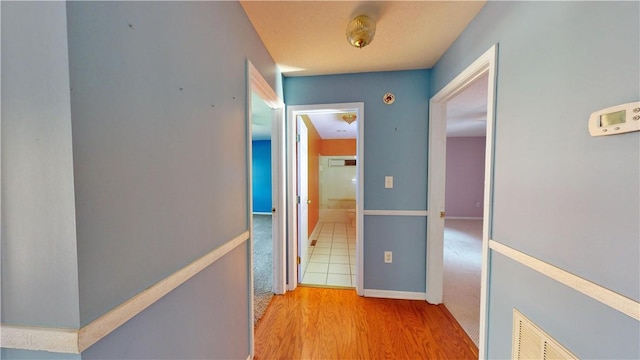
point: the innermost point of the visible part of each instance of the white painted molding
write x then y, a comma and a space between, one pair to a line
463, 218
390, 294
612, 299
39, 338
397, 212
75, 341
262, 87
113, 319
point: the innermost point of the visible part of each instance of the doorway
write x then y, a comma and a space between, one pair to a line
258, 89
464, 197
485, 65
329, 251
262, 200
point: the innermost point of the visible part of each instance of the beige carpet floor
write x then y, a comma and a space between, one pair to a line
262, 264
462, 265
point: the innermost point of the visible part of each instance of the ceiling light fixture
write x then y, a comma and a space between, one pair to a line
349, 118
360, 31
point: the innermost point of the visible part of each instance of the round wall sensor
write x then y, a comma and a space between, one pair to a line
388, 98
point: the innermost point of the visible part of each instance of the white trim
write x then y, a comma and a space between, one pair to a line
39, 339
260, 213
110, 321
261, 87
612, 299
485, 64
391, 294
360, 204
463, 218
257, 83
397, 212
76, 341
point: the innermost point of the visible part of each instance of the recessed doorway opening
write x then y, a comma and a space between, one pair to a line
325, 166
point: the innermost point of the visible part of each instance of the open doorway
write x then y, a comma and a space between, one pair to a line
484, 66
464, 199
325, 169
262, 199
260, 93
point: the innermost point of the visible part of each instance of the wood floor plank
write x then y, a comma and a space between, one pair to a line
321, 323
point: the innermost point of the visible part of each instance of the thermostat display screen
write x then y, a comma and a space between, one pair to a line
617, 117
615, 120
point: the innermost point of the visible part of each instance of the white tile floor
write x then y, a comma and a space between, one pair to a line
332, 261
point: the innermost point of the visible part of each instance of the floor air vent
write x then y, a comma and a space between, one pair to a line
530, 342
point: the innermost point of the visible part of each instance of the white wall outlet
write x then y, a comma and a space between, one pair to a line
388, 257
388, 182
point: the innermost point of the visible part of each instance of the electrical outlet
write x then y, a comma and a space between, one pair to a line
388, 182
388, 257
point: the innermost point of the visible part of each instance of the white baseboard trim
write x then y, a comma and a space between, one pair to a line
75, 341
612, 299
463, 218
397, 212
391, 294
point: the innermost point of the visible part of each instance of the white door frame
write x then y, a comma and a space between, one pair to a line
302, 193
292, 241
257, 84
485, 64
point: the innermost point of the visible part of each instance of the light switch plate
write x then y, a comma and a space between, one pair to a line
388, 182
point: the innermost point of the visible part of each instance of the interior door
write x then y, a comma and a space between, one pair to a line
278, 206
303, 197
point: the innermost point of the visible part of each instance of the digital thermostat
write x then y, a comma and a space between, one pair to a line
615, 120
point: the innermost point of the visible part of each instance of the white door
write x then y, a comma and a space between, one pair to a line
278, 206
303, 196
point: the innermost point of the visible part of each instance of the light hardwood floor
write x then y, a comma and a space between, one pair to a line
316, 323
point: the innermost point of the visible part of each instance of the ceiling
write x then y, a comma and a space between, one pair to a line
467, 111
308, 38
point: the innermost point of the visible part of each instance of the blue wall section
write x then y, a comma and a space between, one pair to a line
562, 196
261, 162
395, 136
130, 147
395, 143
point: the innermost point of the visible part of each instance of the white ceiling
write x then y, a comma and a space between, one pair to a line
260, 118
467, 111
330, 125
308, 38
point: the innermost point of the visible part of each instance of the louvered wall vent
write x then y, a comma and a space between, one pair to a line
530, 342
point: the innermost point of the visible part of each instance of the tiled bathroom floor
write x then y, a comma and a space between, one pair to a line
332, 261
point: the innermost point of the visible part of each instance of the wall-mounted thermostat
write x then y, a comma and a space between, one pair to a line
615, 120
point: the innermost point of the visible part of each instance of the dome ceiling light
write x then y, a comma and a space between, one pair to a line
349, 118
360, 31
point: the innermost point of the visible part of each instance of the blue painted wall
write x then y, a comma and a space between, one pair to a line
261, 162
153, 176
395, 143
562, 196
38, 241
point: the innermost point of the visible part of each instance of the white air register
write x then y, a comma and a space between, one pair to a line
615, 120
